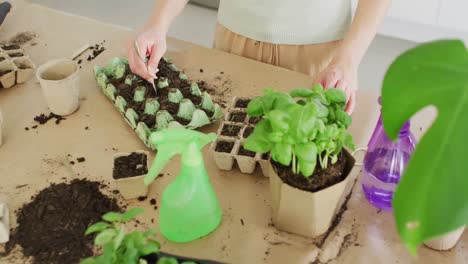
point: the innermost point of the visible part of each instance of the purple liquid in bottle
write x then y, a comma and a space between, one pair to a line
384, 164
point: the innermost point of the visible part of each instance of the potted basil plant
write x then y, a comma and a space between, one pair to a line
305, 133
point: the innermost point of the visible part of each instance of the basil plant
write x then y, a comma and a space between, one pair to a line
302, 128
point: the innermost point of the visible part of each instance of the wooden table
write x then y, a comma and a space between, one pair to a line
39, 157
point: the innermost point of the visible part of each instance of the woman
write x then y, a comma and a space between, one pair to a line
315, 37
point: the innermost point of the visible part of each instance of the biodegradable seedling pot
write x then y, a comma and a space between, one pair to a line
223, 150
25, 69
7, 73
4, 223
240, 103
131, 187
302, 212
59, 83
230, 129
246, 159
264, 161
237, 116
447, 241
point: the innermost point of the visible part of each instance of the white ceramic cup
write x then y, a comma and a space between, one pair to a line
59, 83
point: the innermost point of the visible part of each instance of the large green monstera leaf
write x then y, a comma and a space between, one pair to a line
432, 198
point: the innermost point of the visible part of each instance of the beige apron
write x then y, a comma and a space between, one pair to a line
309, 59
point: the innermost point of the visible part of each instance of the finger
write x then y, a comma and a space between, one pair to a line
157, 52
342, 85
137, 65
330, 80
351, 103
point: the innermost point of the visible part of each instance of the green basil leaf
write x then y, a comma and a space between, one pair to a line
343, 118
335, 95
258, 140
167, 260
97, 227
105, 237
150, 232
282, 153
255, 107
307, 167
303, 121
119, 238
130, 214
307, 151
301, 92
279, 120
150, 247
112, 217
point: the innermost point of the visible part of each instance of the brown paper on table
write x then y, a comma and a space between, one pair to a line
39, 156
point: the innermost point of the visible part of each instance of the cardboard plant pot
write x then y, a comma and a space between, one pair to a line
131, 187
302, 212
223, 150
246, 159
25, 69
447, 241
7, 73
4, 223
264, 161
59, 83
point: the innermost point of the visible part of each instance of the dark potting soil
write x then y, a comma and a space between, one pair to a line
247, 132
81, 159
5, 72
224, 146
97, 49
153, 259
51, 227
10, 47
153, 201
182, 121
16, 54
321, 179
254, 120
245, 152
43, 119
242, 103
2, 58
132, 165
265, 156
149, 120
22, 66
238, 117
230, 130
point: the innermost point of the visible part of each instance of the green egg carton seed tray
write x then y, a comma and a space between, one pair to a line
179, 102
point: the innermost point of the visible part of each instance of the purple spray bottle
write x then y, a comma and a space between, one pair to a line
384, 164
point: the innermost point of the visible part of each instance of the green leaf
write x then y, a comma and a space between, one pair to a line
307, 151
130, 214
97, 227
335, 95
303, 121
279, 120
120, 236
150, 232
150, 247
307, 167
282, 153
302, 92
105, 237
112, 217
431, 198
343, 118
88, 261
167, 260
258, 140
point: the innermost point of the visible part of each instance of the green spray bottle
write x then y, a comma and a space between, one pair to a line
189, 207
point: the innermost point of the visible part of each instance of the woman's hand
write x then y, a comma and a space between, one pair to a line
341, 74
150, 42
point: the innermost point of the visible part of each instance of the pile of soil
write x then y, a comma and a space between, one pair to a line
51, 227
4, 72
132, 165
247, 132
230, 130
238, 117
319, 180
23, 38
43, 119
224, 146
97, 49
245, 152
10, 47
127, 92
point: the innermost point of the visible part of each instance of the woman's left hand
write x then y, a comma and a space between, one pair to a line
341, 74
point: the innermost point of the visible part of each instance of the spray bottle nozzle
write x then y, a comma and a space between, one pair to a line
170, 142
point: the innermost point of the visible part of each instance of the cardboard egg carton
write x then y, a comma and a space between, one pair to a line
15, 66
234, 129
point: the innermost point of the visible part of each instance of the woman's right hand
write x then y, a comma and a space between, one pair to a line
150, 42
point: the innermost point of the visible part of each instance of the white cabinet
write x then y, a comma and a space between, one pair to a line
454, 14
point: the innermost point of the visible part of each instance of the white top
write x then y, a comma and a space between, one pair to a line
294, 22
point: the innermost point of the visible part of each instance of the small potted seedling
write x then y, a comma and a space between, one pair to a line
246, 159
229, 129
25, 69
128, 173
117, 245
223, 150
305, 134
7, 73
